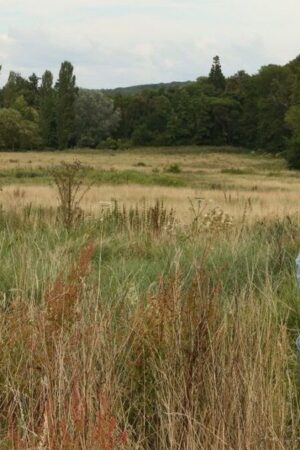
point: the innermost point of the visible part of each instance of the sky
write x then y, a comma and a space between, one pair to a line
115, 43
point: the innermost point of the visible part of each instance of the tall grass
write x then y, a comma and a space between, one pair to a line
130, 336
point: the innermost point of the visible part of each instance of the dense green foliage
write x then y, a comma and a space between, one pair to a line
67, 91
94, 119
243, 110
257, 112
36, 113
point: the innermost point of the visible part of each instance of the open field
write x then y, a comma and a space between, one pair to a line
237, 203
190, 159
146, 329
239, 183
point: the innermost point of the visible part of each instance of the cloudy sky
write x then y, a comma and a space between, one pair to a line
125, 42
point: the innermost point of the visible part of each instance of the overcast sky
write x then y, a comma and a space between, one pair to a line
125, 42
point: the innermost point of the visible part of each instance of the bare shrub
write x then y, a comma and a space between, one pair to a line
69, 180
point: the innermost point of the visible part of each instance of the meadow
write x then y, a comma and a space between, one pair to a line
233, 180
165, 317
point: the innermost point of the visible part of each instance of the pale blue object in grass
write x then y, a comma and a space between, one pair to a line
298, 343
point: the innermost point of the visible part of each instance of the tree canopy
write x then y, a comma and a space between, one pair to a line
259, 111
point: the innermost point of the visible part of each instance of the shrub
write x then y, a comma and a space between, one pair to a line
68, 178
173, 168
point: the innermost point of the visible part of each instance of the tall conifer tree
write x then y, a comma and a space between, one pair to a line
216, 75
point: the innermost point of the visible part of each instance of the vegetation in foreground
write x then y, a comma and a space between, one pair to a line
133, 331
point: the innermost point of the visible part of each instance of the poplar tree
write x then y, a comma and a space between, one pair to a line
48, 111
66, 96
33, 90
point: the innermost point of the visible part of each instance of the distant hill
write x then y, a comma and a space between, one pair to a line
131, 90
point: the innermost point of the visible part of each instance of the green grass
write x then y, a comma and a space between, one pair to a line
135, 177
133, 322
38, 176
42, 176
261, 255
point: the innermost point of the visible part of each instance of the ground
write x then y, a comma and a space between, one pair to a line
256, 184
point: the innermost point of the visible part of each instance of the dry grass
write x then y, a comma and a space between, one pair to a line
180, 371
179, 340
255, 204
259, 185
188, 158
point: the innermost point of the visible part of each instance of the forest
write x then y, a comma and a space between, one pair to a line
256, 112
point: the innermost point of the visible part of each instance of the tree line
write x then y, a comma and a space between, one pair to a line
36, 113
260, 111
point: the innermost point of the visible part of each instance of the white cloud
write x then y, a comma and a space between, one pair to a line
122, 42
